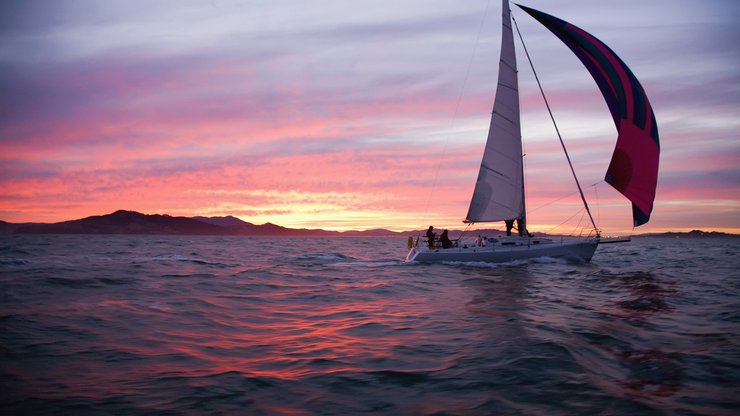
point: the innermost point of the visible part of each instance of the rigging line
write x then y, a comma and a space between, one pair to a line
598, 204
463, 233
580, 211
547, 204
562, 143
457, 110
578, 226
553, 202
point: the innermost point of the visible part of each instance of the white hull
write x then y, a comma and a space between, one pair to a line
508, 250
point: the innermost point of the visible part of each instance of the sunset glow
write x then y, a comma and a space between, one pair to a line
372, 115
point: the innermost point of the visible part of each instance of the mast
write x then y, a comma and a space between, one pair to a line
557, 130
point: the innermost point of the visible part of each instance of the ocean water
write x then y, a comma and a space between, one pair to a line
171, 325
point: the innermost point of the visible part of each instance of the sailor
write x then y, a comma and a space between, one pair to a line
509, 226
445, 240
431, 236
519, 227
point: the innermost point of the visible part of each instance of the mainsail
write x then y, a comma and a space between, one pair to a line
633, 170
499, 189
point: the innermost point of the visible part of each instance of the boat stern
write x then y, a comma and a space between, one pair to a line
413, 252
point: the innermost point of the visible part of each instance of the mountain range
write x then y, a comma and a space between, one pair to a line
131, 222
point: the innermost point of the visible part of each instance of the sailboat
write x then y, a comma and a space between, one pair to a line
499, 190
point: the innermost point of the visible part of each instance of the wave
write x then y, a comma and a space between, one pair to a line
330, 326
179, 258
372, 263
80, 282
522, 262
13, 262
318, 258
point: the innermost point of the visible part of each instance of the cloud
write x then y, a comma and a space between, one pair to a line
339, 113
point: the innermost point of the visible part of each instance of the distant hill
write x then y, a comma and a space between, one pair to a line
226, 222
690, 234
237, 226
125, 222
7, 228
131, 222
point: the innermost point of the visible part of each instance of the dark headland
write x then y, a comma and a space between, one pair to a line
131, 222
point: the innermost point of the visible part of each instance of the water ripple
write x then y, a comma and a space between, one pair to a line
230, 325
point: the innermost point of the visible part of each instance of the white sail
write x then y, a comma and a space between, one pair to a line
499, 190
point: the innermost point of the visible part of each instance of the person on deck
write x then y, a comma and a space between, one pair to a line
445, 240
431, 236
510, 225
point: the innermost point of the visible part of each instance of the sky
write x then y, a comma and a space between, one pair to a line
351, 114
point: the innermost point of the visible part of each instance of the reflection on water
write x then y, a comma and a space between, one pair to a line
652, 373
647, 295
638, 299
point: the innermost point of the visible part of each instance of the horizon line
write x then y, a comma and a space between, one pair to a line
727, 231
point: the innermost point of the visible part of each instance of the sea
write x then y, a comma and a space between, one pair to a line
210, 325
